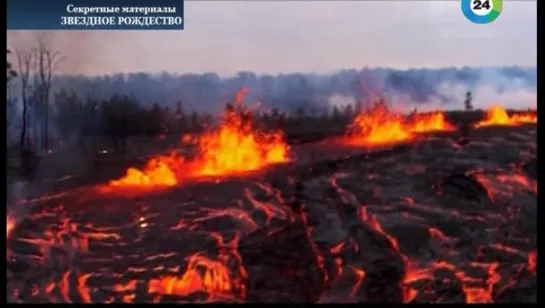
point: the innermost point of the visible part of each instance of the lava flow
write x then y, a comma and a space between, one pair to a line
497, 116
380, 126
216, 280
426, 224
432, 122
10, 224
236, 146
159, 171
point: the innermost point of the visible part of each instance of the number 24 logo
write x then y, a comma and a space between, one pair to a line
479, 5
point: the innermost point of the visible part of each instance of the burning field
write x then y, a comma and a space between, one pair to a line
406, 217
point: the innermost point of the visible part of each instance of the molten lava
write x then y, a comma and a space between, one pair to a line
430, 122
10, 223
377, 230
159, 171
497, 116
380, 126
233, 147
532, 262
215, 280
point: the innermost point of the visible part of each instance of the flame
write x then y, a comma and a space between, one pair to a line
233, 147
380, 126
497, 115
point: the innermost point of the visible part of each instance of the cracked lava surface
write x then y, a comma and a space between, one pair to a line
426, 221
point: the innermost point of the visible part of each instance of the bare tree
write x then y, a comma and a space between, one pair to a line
36, 108
24, 63
10, 74
47, 61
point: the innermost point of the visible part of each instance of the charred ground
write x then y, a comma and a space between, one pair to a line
426, 221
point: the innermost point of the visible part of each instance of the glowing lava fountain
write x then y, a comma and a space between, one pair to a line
497, 116
10, 224
236, 146
380, 126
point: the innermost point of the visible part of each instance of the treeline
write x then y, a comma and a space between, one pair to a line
287, 92
123, 116
119, 117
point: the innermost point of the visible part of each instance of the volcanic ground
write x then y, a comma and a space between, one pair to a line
427, 221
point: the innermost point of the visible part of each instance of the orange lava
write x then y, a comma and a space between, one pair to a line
215, 281
83, 289
475, 289
532, 262
10, 223
481, 294
497, 115
430, 122
235, 146
159, 171
380, 126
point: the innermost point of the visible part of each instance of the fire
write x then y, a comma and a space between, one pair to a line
497, 115
380, 126
233, 147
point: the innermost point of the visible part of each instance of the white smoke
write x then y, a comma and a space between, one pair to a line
340, 101
485, 96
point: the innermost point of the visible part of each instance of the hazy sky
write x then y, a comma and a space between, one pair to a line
272, 37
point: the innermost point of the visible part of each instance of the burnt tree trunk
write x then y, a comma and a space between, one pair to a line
24, 125
46, 124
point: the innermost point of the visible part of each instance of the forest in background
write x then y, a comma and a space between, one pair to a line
42, 105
